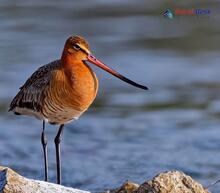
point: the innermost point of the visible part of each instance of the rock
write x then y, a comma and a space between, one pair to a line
11, 182
127, 187
167, 182
171, 182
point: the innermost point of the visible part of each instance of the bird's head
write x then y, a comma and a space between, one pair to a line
77, 49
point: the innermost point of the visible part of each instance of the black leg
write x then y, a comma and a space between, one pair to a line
44, 144
57, 141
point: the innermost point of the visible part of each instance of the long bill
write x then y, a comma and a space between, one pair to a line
98, 63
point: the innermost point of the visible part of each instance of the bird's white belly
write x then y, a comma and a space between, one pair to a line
63, 115
60, 116
28, 112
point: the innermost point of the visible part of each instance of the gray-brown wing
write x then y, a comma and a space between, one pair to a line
31, 94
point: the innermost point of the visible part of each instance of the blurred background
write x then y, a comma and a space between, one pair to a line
127, 134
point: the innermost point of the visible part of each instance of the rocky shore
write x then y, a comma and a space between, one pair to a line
167, 182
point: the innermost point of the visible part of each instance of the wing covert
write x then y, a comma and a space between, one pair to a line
31, 94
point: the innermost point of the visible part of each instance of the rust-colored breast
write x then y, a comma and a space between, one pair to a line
70, 93
83, 86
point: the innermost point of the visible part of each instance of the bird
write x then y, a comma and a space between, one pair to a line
61, 91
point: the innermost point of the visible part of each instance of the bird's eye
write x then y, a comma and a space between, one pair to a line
76, 47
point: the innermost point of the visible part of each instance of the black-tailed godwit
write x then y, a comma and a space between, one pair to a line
59, 92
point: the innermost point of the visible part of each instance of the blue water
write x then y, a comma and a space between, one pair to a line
127, 134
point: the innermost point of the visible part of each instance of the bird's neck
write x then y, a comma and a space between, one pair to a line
74, 67
68, 61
